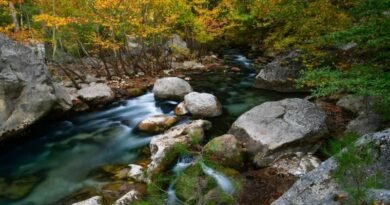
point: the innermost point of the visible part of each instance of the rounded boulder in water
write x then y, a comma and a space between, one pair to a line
172, 88
203, 104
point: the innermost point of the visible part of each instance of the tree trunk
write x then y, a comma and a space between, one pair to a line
14, 16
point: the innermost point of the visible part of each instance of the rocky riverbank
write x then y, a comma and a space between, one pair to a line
266, 150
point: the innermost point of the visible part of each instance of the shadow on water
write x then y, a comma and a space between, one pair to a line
60, 155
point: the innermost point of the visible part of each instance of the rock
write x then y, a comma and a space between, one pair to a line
178, 47
95, 93
96, 200
129, 198
273, 129
115, 190
27, 92
187, 65
319, 187
91, 79
355, 103
235, 69
379, 196
192, 184
181, 109
171, 88
365, 123
203, 104
296, 164
137, 173
157, 124
163, 147
225, 150
280, 74
348, 46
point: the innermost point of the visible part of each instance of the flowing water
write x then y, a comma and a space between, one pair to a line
57, 160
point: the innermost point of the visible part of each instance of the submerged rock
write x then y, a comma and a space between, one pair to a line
96, 200
225, 150
27, 92
319, 187
171, 88
274, 129
203, 104
157, 124
166, 147
280, 74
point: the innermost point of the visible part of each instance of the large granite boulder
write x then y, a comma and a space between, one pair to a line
319, 186
171, 88
27, 92
203, 104
274, 129
280, 74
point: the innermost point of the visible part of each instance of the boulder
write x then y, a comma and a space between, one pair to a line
366, 122
225, 150
319, 187
27, 92
157, 124
181, 109
273, 129
171, 88
203, 104
96, 93
296, 164
355, 103
96, 200
166, 147
280, 74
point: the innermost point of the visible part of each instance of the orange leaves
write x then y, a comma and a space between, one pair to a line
53, 21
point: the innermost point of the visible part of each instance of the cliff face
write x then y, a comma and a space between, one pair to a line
26, 90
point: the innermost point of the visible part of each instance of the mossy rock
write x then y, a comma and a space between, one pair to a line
225, 150
17, 189
192, 183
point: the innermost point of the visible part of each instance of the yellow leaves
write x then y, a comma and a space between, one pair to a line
53, 21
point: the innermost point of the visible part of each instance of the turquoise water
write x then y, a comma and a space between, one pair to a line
61, 156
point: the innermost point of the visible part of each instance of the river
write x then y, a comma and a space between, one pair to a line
57, 160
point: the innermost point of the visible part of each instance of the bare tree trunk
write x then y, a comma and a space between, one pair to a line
14, 16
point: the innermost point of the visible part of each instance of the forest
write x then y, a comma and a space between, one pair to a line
103, 28
195, 102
